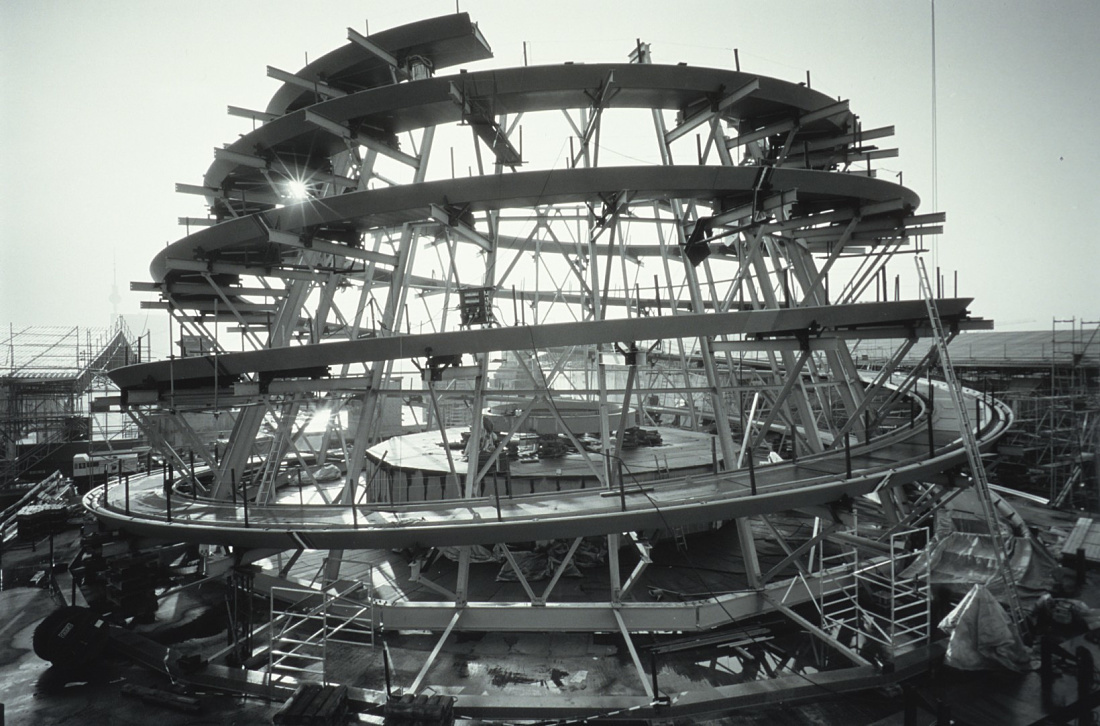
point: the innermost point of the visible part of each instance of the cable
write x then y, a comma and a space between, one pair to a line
935, 144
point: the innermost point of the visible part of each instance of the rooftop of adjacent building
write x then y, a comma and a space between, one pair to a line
1014, 349
56, 354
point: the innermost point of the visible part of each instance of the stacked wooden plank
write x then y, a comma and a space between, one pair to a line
314, 705
422, 710
36, 521
131, 585
1085, 537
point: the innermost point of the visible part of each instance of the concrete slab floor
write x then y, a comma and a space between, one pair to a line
506, 664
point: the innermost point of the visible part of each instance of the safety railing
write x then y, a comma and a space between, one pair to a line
881, 605
306, 623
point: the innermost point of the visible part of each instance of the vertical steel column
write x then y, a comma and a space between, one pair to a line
367, 424
721, 416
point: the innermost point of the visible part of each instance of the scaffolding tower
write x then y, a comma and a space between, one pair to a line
47, 376
1070, 418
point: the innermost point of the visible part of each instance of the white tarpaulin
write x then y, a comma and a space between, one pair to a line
961, 554
982, 635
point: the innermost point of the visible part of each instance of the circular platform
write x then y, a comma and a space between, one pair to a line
415, 467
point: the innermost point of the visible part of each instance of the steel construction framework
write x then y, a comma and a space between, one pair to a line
739, 265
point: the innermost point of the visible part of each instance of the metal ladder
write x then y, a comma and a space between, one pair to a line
973, 453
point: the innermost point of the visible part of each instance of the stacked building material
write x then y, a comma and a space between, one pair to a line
36, 521
637, 436
422, 710
131, 583
314, 705
551, 446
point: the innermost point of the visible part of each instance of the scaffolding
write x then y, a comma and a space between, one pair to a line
1070, 423
764, 253
875, 605
306, 622
1055, 399
1051, 381
47, 378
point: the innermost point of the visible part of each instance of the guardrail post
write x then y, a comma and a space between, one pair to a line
931, 409
848, 455
653, 669
1085, 674
386, 664
622, 483
1046, 668
752, 474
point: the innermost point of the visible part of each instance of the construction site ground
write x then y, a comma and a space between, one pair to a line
520, 665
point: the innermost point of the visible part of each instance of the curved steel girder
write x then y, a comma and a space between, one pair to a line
725, 186
393, 109
663, 504
445, 41
313, 359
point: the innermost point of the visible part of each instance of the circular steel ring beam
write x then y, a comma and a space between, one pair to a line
394, 109
658, 505
729, 186
312, 359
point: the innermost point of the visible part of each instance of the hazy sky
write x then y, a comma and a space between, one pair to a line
105, 105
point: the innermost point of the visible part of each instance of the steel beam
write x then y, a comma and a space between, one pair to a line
373, 48
338, 129
319, 87
706, 115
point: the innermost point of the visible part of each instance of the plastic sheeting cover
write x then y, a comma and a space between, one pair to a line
960, 559
982, 636
961, 553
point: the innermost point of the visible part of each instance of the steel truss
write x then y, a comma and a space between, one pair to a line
339, 247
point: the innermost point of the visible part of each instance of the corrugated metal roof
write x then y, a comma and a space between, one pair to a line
1018, 348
